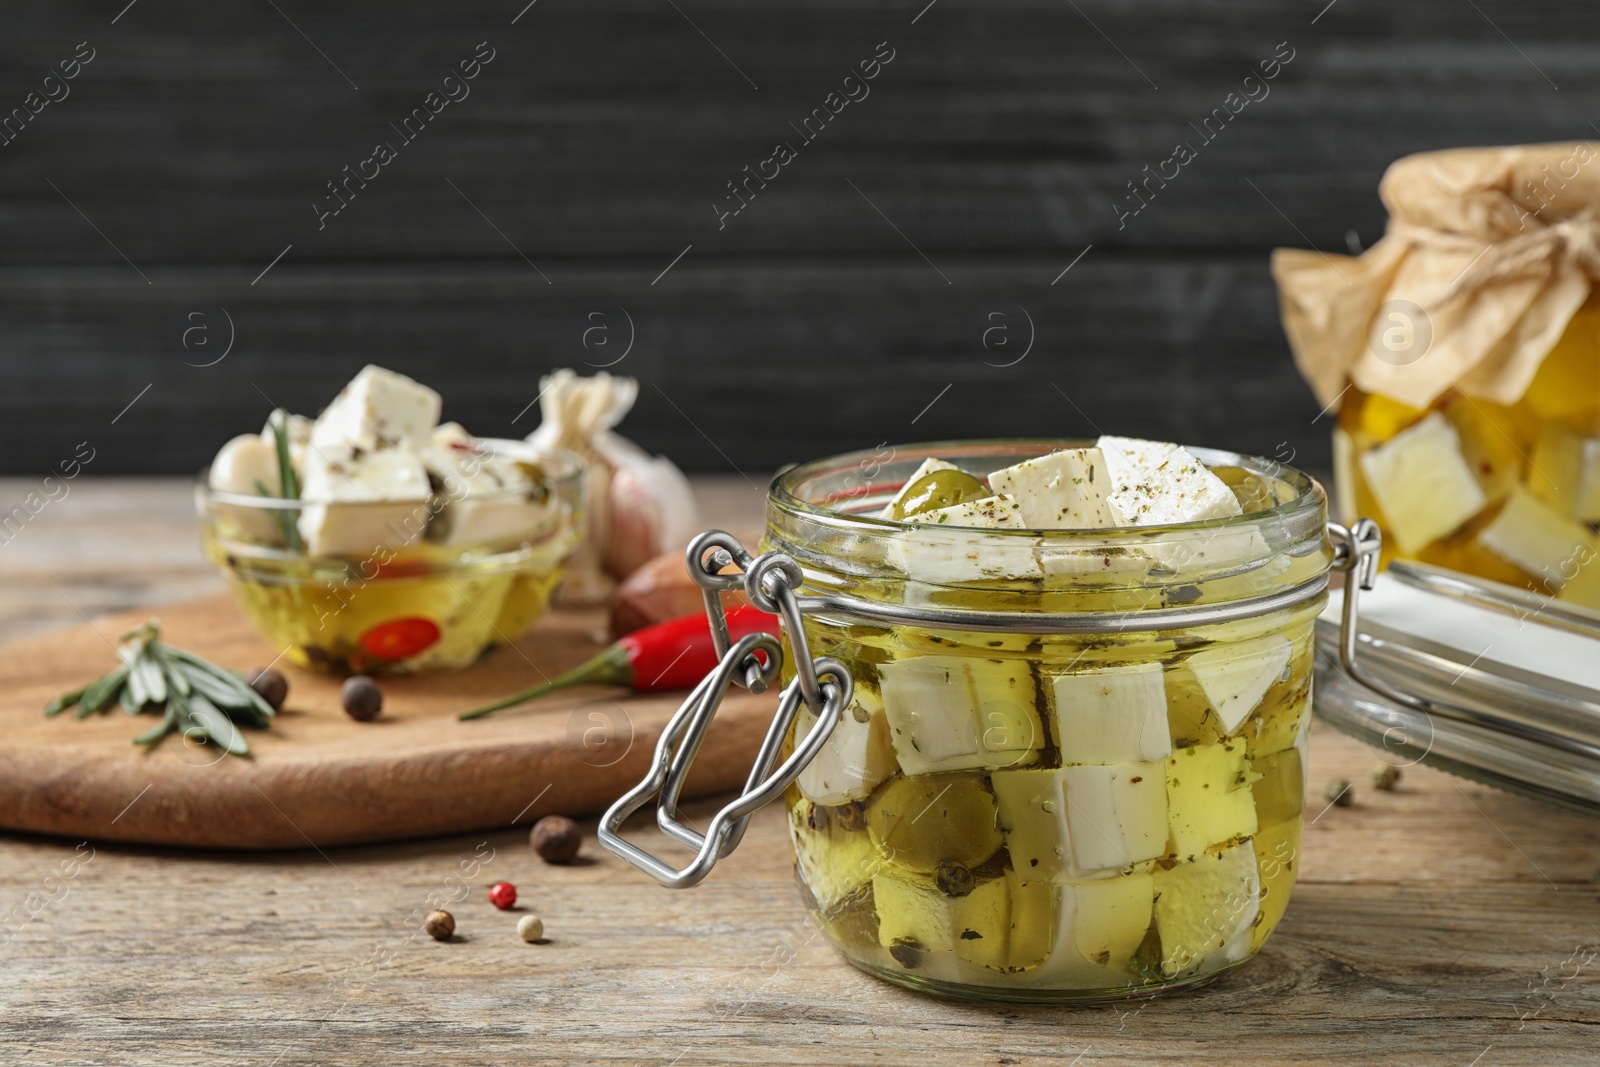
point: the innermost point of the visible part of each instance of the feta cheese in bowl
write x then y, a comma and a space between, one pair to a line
376, 540
1072, 766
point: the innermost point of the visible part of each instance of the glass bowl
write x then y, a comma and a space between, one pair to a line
428, 585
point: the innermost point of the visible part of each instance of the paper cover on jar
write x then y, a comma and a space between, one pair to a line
1488, 254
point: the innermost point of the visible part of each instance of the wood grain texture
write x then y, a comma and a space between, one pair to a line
1423, 931
1441, 924
592, 149
317, 776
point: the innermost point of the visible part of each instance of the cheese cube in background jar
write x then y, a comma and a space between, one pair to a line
374, 540
1564, 471
1031, 812
1466, 484
1464, 364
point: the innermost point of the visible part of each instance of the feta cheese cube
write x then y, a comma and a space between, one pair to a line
927, 467
980, 923
1116, 816
1064, 823
1209, 794
1565, 472
835, 862
1069, 557
999, 512
486, 497
358, 500
1156, 483
451, 435
954, 712
942, 554
992, 926
1235, 677
1095, 930
910, 913
857, 757
1190, 717
1277, 851
1082, 821
1536, 537
1216, 549
1112, 715
1111, 918
1421, 480
1064, 490
1032, 807
1129, 457
1205, 908
378, 409
996, 925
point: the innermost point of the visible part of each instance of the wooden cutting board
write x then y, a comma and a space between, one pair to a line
318, 777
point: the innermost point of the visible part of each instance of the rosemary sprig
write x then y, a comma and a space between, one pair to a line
288, 483
193, 696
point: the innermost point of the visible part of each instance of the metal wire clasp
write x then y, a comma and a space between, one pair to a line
1355, 551
823, 684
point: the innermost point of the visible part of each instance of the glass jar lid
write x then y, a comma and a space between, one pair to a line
1512, 680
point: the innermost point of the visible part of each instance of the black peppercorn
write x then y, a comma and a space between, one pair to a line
361, 698
556, 839
852, 816
953, 879
907, 952
270, 686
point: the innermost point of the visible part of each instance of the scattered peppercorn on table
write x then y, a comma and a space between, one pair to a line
1440, 922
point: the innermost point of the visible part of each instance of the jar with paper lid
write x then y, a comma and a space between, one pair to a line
1019, 762
1462, 353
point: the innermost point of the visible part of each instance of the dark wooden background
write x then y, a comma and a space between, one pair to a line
597, 141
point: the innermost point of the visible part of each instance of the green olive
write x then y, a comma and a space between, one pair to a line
941, 489
926, 820
540, 490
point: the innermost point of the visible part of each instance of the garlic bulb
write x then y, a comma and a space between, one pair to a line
638, 505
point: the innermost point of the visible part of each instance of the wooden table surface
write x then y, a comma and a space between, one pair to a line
1444, 923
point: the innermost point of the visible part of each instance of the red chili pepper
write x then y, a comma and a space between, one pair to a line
400, 638
674, 654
